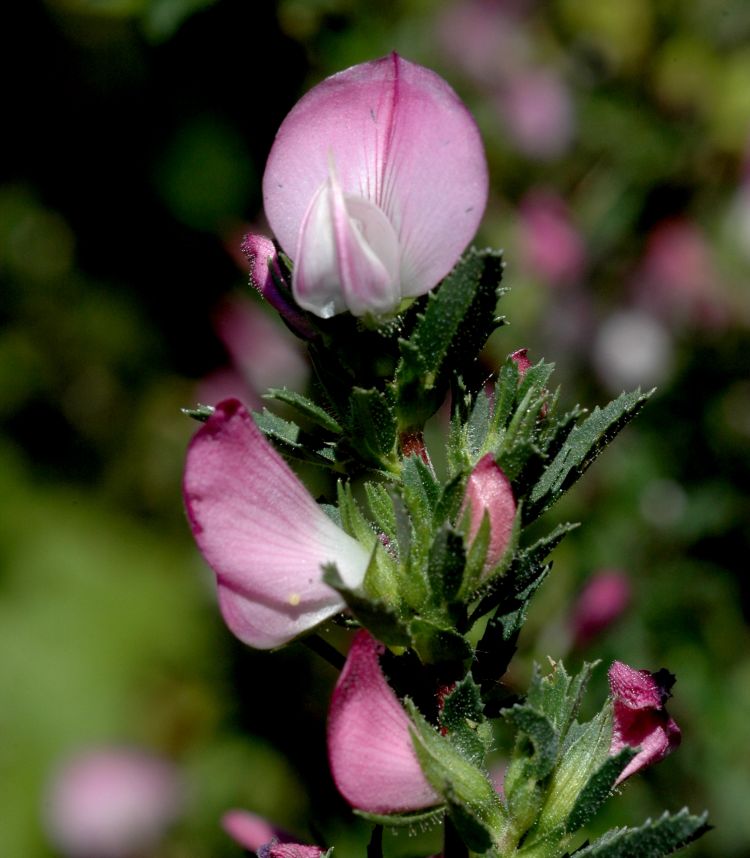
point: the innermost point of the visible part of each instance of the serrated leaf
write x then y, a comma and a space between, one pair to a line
381, 507
445, 565
436, 645
201, 413
457, 320
654, 839
373, 424
449, 502
288, 437
463, 718
305, 407
472, 802
583, 445
537, 735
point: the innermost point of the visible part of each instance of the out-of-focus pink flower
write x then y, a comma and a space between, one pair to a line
603, 600
256, 834
551, 247
262, 533
538, 111
375, 184
488, 491
677, 278
484, 38
639, 717
262, 355
112, 803
264, 273
370, 750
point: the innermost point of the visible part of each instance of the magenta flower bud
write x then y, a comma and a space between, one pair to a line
256, 834
602, 601
640, 719
375, 184
370, 750
262, 533
521, 359
488, 490
112, 803
264, 267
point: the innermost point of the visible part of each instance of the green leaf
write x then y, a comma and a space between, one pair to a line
598, 789
290, 440
536, 740
458, 318
435, 644
381, 507
373, 424
445, 565
201, 413
306, 408
654, 839
584, 443
472, 802
463, 718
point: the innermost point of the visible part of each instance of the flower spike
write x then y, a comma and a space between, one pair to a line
262, 533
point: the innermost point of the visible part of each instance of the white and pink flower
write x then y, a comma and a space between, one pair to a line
375, 184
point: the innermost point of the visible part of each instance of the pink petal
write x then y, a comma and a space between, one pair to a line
489, 490
347, 256
370, 750
290, 850
401, 139
636, 689
520, 358
261, 532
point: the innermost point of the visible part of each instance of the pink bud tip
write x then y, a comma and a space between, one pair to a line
370, 750
263, 261
521, 359
640, 719
488, 490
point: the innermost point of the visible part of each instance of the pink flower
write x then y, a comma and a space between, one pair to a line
262, 533
375, 184
640, 719
256, 834
538, 110
488, 490
112, 803
370, 750
603, 600
261, 352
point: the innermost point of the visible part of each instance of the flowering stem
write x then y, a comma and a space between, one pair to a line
325, 650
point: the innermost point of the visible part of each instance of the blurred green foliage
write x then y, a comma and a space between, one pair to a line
617, 135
